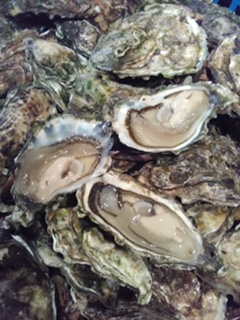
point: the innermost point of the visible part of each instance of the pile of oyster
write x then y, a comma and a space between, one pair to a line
119, 159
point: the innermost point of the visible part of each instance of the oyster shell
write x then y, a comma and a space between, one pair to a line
53, 65
224, 63
141, 46
81, 244
81, 36
22, 108
207, 172
102, 12
192, 300
147, 222
169, 120
64, 154
23, 296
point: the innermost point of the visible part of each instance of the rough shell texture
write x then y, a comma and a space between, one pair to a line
22, 109
103, 12
32, 297
208, 172
139, 46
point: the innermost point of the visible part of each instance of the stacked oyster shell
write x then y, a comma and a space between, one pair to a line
125, 176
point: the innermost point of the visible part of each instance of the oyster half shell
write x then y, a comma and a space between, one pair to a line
169, 120
147, 222
64, 154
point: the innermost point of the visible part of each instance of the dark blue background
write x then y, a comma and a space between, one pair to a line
233, 5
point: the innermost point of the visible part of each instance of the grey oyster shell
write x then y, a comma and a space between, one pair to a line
26, 291
80, 35
147, 222
23, 107
208, 172
224, 62
63, 154
80, 244
141, 46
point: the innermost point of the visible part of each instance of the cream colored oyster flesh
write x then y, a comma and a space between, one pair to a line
64, 154
166, 121
144, 220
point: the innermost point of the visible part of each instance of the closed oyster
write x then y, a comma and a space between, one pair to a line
81, 244
54, 65
26, 290
141, 46
22, 108
81, 36
192, 299
119, 264
224, 62
14, 69
64, 154
147, 222
169, 120
207, 172
102, 12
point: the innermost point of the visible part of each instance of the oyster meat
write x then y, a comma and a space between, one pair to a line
64, 154
145, 221
151, 122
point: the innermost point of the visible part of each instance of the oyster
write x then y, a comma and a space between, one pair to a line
192, 300
224, 63
141, 46
102, 12
22, 108
14, 69
147, 222
23, 296
207, 172
81, 36
64, 154
81, 244
95, 97
169, 120
53, 65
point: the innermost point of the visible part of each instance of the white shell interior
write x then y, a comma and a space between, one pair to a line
167, 121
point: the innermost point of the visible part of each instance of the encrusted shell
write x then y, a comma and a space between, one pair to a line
169, 120
64, 154
164, 40
147, 222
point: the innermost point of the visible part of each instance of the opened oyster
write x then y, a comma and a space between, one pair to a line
167, 121
64, 154
150, 224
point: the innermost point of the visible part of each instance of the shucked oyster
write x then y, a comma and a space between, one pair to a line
150, 224
163, 40
64, 154
167, 121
